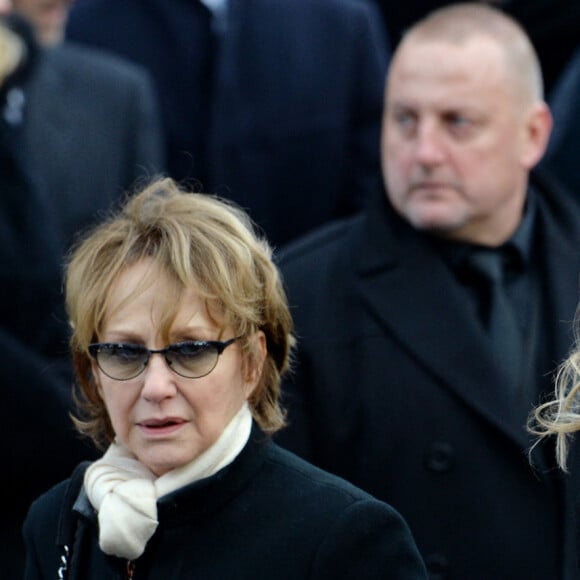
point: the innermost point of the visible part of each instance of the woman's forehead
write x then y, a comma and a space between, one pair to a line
145, 292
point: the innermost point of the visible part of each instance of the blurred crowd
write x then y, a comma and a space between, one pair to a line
277, 106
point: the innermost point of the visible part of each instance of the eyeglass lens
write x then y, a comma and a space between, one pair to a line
188, 359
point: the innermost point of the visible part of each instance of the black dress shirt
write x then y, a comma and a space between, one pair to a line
522, 284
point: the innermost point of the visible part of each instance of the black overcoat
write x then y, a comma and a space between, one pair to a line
396, 390
91, 128
267, 515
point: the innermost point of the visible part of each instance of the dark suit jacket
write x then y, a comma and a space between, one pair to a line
91, 129
396, 390
297, 98
268, 515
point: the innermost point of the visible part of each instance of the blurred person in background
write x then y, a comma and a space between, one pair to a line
76, 130
275, 105
48, 18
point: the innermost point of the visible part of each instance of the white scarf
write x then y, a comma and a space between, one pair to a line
124, 492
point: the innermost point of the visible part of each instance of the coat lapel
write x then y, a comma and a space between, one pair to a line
406, 286
48, 118
560, 256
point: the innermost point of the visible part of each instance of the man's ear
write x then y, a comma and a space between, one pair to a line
537, 134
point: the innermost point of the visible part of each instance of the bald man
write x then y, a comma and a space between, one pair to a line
399, 386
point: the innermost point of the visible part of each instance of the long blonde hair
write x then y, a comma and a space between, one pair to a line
560, 417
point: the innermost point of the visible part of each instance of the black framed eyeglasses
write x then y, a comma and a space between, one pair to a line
191, 359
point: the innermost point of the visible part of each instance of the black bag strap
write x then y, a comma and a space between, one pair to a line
67, 521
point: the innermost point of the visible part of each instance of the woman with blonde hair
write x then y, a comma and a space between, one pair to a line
180, 334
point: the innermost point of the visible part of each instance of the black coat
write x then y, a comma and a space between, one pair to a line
396, 390
267, 515
296, 99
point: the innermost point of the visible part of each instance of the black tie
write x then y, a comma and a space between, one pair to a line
499, 316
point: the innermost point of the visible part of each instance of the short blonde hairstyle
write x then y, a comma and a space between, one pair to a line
199, 241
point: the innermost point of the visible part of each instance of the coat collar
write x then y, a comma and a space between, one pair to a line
398, 269
205, 495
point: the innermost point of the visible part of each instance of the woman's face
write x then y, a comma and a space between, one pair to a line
164, 419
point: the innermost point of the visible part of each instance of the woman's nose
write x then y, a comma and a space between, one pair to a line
158, 379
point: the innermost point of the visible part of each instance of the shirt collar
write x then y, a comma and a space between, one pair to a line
215, 6
218, 9
523, 236
520, 244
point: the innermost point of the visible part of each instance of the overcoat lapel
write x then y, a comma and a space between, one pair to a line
224, 93
560, 255
230, 102
48, 120
406, 287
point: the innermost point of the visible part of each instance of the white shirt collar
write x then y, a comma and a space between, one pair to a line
218, 9
215, 6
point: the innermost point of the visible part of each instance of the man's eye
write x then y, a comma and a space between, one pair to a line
458, 121
404, 119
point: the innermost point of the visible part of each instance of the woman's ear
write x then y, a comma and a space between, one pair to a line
255, 361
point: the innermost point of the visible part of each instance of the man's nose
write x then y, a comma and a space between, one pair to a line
430, 146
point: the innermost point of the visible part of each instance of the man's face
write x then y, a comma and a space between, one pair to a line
454, 140
48, 17
5, 7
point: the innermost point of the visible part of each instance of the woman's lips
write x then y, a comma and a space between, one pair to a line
158, 427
